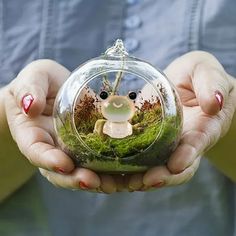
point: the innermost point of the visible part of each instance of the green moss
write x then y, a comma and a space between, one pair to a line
106, 146
113, 166
124, 155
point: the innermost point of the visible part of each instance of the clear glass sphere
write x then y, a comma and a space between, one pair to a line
117, 114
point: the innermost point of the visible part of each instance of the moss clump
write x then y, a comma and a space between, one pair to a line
146, 126
125, 147
133, 153
122, 149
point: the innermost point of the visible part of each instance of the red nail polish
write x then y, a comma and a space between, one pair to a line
219, 98
27, 101
158, 185
60, 170
82, 185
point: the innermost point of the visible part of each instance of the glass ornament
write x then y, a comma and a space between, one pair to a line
117, 114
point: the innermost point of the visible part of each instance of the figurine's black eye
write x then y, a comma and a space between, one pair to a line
104, 95
132, 95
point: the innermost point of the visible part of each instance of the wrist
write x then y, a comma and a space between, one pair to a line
221, 154
233, 124
12, 162
233, 91
3, 97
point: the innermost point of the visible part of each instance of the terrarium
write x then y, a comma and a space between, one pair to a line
117, 114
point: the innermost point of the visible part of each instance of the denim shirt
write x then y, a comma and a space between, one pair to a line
158, 31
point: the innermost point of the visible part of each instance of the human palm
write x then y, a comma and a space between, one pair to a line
206, 93
29, 109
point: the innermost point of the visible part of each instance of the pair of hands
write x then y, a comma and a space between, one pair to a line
205, 90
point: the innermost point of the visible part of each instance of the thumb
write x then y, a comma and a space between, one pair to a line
200, 80
211, 86
36, 84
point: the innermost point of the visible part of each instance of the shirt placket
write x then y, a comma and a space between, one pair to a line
194, 24
113, 28
132, 23
47, 29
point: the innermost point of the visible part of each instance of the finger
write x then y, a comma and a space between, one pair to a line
187, 151
136, 182
35, 142
19, 123
108, 184
160, 176
200, 80
154, 177
36, 83
80, 178
39, 148
183, 177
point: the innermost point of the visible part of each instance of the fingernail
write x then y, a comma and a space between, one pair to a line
27, 101
158, 184
219, 98
60, 170
83, 185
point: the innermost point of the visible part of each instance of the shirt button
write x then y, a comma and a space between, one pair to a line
131, 44
132, 2
132, 22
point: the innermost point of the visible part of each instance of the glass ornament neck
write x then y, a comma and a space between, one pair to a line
117, 50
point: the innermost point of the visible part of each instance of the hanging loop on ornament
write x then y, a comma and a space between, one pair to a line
117, 50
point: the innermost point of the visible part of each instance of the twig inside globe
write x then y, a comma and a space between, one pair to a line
106, 84
117, 82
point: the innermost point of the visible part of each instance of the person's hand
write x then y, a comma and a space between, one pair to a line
35, 88
207, 93
29, 104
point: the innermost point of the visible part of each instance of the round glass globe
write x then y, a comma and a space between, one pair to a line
117, 114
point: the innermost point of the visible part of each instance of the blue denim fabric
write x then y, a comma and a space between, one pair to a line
71, 32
